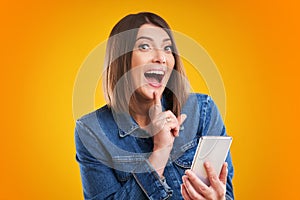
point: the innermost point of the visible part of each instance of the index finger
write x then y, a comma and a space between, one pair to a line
157, 104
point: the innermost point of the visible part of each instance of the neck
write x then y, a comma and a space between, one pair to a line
139, 110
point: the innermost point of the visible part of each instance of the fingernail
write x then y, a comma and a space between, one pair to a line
183, 117
187, 172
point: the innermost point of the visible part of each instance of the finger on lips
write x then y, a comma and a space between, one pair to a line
157, 106
173, 122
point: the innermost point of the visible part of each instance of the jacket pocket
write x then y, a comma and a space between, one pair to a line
124, 165
123, 176
186, 159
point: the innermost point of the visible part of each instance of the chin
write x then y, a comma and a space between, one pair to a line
146, 92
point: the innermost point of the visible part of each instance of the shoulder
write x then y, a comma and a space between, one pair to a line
95, 118
202, 104
94, 114
96, 125
202, 100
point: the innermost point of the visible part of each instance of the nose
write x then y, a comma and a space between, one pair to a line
159, 57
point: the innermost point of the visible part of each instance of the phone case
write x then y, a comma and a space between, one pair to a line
213, 149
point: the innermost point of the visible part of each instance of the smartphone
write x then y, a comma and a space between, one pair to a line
213, 149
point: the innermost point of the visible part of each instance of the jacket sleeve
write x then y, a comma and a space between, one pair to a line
212, 124
99, 180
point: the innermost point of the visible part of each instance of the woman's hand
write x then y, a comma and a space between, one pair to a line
194, 188
164, 125
164, 128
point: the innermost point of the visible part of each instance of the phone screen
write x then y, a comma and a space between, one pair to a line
213, 149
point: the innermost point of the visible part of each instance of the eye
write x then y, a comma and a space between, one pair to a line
169, 48
144, 47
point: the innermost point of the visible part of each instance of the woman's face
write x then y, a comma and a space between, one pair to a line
152, 61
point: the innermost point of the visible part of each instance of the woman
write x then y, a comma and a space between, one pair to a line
141, 144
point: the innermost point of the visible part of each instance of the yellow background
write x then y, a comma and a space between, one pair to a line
255, 45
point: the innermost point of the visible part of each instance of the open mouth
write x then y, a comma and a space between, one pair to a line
154, 76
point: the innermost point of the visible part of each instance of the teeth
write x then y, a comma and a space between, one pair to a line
155, 72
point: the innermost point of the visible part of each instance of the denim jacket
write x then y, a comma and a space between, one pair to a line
112, 151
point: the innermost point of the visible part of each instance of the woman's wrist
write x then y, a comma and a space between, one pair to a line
162, 148
159, 159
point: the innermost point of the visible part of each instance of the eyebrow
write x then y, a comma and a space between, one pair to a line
149, 38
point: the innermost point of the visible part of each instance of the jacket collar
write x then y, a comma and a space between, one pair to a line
127, 125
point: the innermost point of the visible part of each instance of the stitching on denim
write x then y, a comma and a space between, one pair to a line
131, 158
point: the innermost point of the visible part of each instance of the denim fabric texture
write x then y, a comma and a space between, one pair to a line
112, 152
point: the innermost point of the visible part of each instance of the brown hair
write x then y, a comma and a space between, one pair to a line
118, 61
